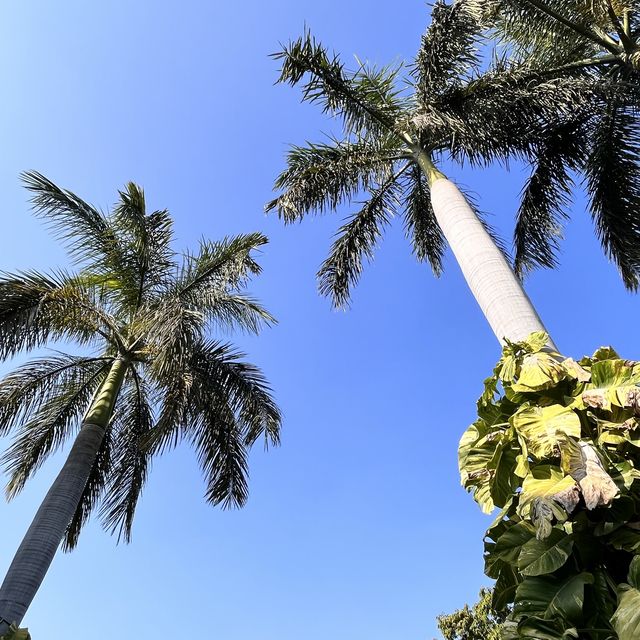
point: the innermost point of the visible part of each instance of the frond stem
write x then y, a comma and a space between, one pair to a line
608, 44
579, 64
626, 22
626, 41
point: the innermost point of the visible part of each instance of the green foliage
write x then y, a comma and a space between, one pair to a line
135, 300
16, 634
480, 622
447, 104
556, 447
598, 41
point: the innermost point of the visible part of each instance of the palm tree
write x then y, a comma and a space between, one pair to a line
392, 137
151, 375
597, 40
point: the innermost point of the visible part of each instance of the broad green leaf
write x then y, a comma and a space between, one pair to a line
504, 480
626, 619
539, 557
16, 634
605, 353
539, 371
508, 369
541, 426
482, 495
534, 628
634, 573
504, 590
545, 481
535, 341
605, 596
548, 597
522, 460
628, 474
625, 539
614, 373
510, 543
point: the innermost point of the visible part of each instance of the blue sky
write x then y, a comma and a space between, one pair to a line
357, 528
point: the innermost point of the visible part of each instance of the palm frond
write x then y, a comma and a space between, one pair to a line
539, 221
89, 235
235, 311
427, 241
148, 260
25, 389
366, 100
242, 386
449, 52
613, 185
36, 308
49, 424
506, 112
224, 264
222, 455
357, 240
537, 37
132, 425
319, 177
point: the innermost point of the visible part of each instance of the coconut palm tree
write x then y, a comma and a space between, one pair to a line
395, 129
150, 373
597, 40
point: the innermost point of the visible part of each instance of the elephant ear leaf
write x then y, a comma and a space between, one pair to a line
626, 619
16, 634
539, 371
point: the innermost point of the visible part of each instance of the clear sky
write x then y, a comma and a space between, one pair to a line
357, 528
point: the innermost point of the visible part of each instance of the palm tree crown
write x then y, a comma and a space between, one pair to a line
598, 41
132, 301
394, 125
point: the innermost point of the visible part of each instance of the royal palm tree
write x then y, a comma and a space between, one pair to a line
598, 40
392, 138
150, 374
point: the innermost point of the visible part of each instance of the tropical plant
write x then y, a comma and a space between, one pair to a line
479, 622
597, 40
392, 136
150, 374
13, 633
556, 447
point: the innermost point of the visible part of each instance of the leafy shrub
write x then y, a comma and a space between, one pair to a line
556, 447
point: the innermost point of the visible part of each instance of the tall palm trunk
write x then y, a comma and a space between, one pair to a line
39, 545
493, 283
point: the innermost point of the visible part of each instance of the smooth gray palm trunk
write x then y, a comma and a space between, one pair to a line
493, 283
39, 545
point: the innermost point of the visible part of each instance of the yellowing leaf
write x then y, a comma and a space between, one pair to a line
544, 481
539, 371
541, 427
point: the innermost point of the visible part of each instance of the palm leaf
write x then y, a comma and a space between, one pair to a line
36, 308
542, 211
613, 185
49, 424
357, 240
133, 423
365, 100
449, 52
25, 389
89, 235
147, 260
319, 177
428, 243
